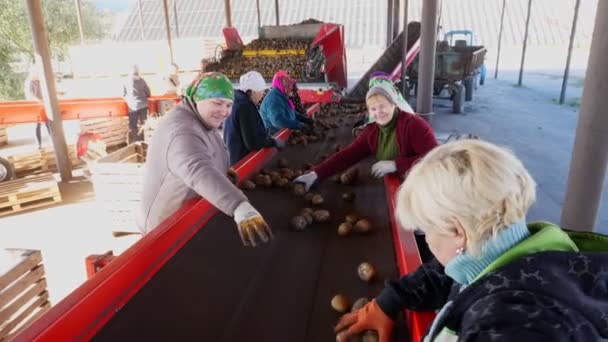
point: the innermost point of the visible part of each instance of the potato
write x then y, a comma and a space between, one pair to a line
308, 197
350, 176
340, 303
298, 223
274, 174
263, 180
283, 162
281, 182
308, 217
366, 271
298, 173
287, 173
370, 336
359, 303
351, 218
321, 216
307, 211
348, 196
335, 178
299, 189
363, 226
317, 199
247, 185
345, 228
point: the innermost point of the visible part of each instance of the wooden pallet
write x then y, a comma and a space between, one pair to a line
118, 183
113, 131
3, 135
28, 193
39, 161
23, 294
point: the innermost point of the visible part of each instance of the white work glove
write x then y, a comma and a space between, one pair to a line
383, 167
250, 223
308, 179
280, 144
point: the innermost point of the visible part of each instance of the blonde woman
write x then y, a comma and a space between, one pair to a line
494, 277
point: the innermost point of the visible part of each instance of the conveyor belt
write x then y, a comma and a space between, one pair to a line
214, 289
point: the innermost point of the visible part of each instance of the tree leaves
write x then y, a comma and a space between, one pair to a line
62, 31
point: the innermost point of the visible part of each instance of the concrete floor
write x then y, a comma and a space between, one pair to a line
529, 122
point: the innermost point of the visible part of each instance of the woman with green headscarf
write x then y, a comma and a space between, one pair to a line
187, 158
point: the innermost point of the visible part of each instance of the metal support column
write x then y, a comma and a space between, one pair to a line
562, 96
590, 152
523, 51
257, 6
228, 13
47, 84
276, 12
404, 89
389, 22
168, 29
396, 20
426, 69
502, 22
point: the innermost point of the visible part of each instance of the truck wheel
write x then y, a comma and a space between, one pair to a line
469, 87
7, 172
458, 99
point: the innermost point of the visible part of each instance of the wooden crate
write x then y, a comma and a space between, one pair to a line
118, 180
23, 293
27, 193
113, 131
42, 160
3, 135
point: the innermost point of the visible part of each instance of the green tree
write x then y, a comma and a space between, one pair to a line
62, 30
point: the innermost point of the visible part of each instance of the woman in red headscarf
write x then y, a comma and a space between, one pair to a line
278, 110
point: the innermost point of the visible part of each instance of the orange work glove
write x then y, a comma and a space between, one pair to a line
369, 317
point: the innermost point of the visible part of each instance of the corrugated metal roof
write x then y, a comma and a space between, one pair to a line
365, 20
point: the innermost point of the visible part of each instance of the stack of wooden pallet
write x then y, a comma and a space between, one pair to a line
118, 181
42, 160
27, 193
113, 131
23, 293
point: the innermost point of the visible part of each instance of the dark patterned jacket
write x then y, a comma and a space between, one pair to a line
547, 293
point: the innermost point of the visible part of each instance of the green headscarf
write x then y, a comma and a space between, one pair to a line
210, 85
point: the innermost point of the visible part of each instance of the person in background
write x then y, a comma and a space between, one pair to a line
172, 82
244, 130
494, 276
136, 93
187, 158
33, 92
397, 138
278, 110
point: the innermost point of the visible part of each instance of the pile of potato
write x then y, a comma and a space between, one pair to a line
235, 64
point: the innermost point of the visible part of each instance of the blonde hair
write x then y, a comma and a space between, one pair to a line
483, 185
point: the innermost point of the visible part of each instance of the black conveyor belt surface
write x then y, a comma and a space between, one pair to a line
214, 289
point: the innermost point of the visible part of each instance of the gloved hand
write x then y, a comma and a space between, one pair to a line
250, 223
383, 167
280, 144
308, 179
232, 175
369, 317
